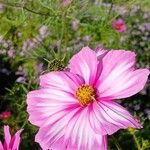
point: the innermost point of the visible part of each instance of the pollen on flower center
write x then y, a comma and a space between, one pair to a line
85, 94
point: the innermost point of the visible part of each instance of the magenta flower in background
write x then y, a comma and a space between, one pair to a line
5, 115
76, 109
11, 142
119, 25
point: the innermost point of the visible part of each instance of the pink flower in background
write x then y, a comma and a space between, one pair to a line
76, 109
119, 25
66, 2
5, 115
11, 142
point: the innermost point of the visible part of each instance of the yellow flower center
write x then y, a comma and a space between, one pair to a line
85, 94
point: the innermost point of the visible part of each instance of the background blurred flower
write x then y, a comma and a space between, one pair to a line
5, 115
75, 24
11, 142
2, 7
1, 38
119, 25
43, 31
21, 79
11, 53
66, 2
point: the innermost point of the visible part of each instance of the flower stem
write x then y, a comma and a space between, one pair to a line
136, 142
24, 123
25, 8
132, 132
116, 143
63, 30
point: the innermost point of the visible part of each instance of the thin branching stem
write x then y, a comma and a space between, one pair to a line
24, 7
136, 142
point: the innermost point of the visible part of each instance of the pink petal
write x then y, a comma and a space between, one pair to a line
100, 52
80, 134
100, 123
7, 135
71, 132
65, 81
118, 78
1, 146
136, 83
45, 103
85, 64
15, 141
55, 130
102, 145
107, 117
123, 28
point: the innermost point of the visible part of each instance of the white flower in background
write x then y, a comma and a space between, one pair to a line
43, 31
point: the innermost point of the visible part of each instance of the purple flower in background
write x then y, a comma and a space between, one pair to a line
2, 8
21, 79
11, 53
75, 24
87, 38
147, 26
1, 39
43, 31
5, 45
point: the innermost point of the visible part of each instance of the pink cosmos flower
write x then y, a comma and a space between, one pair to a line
75, 110
5, 115
10, 143
119, 25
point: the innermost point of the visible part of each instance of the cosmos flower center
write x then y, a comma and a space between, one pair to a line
85, 94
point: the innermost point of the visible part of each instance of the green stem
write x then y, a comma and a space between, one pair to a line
110, 9
136, 142
116, 143
63, 26
66, 33
24, 7
25, 122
